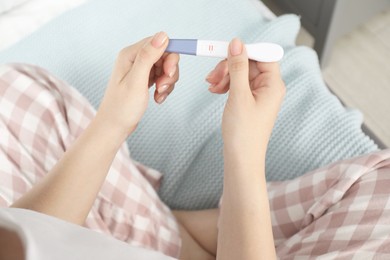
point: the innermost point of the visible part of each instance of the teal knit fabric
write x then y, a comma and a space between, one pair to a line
182, 137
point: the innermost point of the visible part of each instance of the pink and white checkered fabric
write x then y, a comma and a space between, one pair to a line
341, 211
40, 117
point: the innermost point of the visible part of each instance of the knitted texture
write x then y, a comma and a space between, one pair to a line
182, 137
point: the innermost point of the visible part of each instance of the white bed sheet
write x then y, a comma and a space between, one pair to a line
45, 238
27, 18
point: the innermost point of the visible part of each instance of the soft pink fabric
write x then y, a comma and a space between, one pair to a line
341, 211
40, 117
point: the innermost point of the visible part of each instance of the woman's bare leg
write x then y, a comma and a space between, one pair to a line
199, 233
11, 245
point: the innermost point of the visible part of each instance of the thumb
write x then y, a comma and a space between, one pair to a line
147, 55
238, 64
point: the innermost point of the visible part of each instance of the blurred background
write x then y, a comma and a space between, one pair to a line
352, 39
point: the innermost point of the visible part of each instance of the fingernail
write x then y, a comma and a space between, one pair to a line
235, 47
212, 87
161, 99
159, 39
172, 72
162, 88
210, 75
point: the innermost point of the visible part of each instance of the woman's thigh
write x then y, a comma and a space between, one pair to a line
199, 233
339, 211
40, 117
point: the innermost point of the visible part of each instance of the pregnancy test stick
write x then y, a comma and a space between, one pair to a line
262, 51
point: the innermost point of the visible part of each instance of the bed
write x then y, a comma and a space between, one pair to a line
182, 138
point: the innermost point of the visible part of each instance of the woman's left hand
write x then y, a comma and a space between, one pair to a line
256, 91
138, 67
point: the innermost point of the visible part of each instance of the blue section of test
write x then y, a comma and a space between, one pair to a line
183, 46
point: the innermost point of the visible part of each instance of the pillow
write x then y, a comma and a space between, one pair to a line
6, 5
182, 137
23, 20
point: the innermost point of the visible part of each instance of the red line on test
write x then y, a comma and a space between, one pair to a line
211, 47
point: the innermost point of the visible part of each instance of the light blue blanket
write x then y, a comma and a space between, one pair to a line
182, 137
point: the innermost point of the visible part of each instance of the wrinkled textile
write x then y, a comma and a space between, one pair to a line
341, 211
40, 117
47, 238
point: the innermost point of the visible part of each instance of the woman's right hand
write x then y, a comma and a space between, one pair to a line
256, 91
138, 67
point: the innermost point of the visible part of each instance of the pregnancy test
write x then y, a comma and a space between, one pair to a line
262, 51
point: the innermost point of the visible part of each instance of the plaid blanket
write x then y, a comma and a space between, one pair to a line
40, 118
341, 211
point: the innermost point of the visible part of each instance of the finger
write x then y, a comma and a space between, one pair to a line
272, 67
238, 64
125, 60
161, 97
253, 70
158, 66
164, 81
159, 63
222, 86
156, 70
146, 57
152, 76
217, 75
170, 64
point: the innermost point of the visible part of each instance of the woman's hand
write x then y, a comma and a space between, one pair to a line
137, 68
69, 190
256, 93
